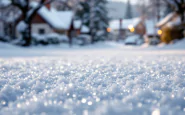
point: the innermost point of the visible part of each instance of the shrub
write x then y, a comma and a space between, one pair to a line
47, 39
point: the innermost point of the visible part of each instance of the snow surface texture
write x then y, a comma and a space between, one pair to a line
111, 81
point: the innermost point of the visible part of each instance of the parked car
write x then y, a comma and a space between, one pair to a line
151, 39
154, 40
134, 40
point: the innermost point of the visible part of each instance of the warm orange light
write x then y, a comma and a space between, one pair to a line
159, 32
131, 28
108, 29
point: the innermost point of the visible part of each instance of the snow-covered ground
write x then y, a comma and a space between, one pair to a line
105, 79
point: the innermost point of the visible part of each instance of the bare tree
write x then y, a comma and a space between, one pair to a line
28, 14
178, 6
66, 4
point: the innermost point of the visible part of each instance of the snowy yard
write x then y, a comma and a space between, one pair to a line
92, 81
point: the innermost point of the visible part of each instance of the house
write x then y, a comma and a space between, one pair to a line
171, 27
126, 27
49, 24
49, 21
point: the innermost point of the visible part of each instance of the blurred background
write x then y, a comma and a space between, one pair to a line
85, 22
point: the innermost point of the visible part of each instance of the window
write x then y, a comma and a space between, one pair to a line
41, 31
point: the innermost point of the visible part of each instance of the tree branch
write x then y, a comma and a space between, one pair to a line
17, 5
35, 10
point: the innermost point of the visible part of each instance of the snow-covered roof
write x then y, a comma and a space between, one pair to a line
171, 20
165, 20
77, 24
115, 24
57, 19
85, 29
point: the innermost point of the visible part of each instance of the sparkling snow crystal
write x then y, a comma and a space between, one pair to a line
102, 82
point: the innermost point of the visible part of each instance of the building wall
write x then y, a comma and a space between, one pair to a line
37, 27
61, 31
140, 29
39, 23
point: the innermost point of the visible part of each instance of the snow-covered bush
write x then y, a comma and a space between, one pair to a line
63, 38
83, 39
53, 38
39, 39
4, 38
21, 26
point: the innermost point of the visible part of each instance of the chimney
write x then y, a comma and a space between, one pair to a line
48, 5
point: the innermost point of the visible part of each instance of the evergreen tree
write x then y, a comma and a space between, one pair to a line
128, 14
94, 15
98, 20
83, 13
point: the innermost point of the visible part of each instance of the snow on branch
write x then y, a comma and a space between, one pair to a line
29, 12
